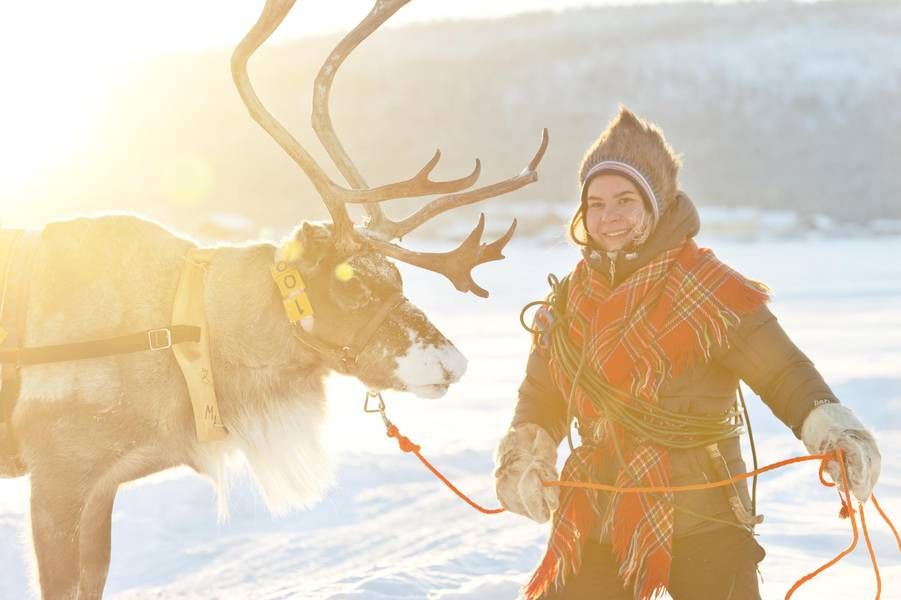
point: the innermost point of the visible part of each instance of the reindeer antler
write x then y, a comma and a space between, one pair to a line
273, 14
387, 229
455, 265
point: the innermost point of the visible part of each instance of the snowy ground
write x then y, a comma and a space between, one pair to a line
387, 530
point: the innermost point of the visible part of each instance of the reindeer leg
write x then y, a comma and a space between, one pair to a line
95, 529
57, 501
96, 518
77, 462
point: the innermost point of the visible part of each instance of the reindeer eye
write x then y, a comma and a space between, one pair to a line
350, 292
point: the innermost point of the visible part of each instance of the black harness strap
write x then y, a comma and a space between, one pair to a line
152, 339
16, 281
348, 355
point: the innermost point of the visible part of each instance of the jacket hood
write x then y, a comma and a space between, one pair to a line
678, 224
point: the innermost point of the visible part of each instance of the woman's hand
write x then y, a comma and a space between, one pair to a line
833, 426
526, 456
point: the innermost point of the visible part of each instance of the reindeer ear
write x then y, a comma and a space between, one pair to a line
310, 245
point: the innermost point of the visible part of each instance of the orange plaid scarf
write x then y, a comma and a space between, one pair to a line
670, 314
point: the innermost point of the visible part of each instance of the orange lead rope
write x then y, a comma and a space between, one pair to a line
886, 519
406, 445
848, 512
845, 512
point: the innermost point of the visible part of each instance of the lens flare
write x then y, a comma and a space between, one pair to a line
344, 272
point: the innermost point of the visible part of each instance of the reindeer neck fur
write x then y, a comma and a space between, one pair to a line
247, 321
270, 386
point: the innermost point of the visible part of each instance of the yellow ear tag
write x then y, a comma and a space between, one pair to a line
298, 308
3, 334
294, 291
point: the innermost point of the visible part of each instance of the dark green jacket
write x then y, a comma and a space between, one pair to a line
759, 353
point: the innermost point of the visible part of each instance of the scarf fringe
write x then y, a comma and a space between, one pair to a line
654, 586
571, 524
737, 297
544, 576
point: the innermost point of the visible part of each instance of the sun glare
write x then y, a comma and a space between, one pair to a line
61, 62
54, 85
43, 116
188, 181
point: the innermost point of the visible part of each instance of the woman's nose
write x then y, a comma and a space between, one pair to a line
609, 215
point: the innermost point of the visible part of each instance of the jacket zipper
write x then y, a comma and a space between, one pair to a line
611, 258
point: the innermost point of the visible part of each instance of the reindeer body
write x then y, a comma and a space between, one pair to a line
85, 427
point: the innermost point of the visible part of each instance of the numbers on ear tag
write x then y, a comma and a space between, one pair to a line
298, 307
293, 290
289, 282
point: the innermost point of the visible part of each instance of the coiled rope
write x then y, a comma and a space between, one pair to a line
642, 419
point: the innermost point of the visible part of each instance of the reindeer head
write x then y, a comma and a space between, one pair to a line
350, 306
357, 318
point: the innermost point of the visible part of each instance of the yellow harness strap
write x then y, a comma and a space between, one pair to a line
194, 357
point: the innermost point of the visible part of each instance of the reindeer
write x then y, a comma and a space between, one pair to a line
84, 427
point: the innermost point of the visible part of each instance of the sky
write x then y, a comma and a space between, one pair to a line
71, 51
131, 28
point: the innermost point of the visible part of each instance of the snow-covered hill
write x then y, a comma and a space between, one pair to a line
775, 105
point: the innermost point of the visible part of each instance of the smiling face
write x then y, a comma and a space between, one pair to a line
615, 212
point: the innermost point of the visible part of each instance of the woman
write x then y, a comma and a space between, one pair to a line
656, 334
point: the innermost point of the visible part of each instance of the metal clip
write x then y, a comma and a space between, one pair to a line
379, 409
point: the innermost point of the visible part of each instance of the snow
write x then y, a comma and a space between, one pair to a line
389, 530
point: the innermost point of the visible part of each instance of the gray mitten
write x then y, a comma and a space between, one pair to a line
525, 457
833, 426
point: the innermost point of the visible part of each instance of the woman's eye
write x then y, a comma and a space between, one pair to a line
626, 200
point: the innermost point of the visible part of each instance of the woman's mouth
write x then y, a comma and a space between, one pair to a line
616, 234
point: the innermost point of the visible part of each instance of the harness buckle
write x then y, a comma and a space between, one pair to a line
159, 339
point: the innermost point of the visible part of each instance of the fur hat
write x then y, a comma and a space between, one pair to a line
635, 148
